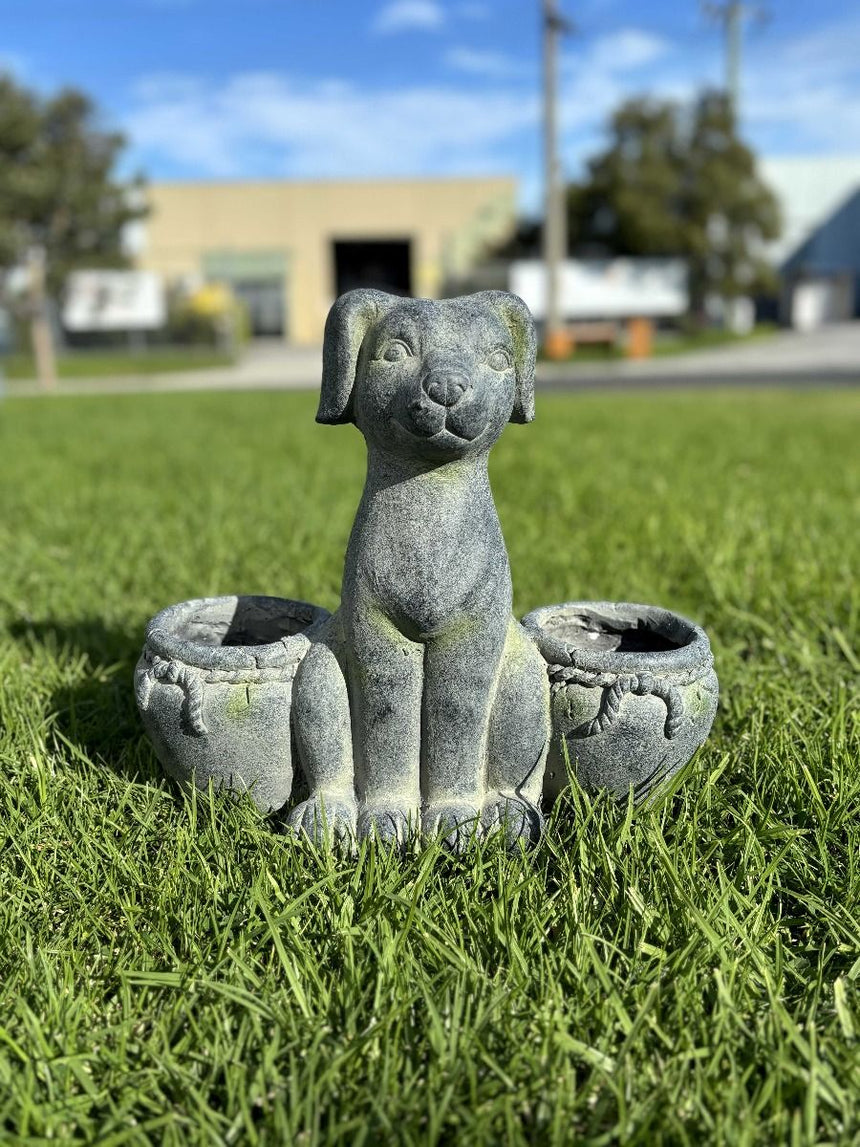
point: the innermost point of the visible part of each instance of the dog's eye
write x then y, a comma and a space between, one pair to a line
395, 351
500, 359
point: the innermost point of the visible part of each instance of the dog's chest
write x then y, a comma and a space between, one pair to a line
426, 560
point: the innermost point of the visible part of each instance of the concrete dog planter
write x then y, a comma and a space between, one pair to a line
634, 692
214, 685
422, 705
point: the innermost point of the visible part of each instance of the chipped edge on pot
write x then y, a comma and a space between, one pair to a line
163, 641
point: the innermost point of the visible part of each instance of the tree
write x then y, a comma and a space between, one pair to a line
729, 211
630, 203
679, 182
58, 187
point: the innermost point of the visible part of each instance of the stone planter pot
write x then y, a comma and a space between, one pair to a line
634, 693
213, 686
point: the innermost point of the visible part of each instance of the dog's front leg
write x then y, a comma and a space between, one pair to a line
460, 674
385, 679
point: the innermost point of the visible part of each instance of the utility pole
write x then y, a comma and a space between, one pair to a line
733, 21
556, 343
731, 15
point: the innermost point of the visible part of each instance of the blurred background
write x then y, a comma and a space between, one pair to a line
190, 184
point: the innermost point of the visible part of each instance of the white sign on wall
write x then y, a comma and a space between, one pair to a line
605, 288
114, 301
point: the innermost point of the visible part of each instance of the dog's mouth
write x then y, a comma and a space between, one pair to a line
444, 437
449, 427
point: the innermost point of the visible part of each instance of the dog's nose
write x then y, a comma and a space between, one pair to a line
446, 387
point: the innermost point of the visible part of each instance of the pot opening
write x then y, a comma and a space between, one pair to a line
588, 630
244, 621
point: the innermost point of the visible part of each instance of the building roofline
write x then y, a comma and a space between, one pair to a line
357, 181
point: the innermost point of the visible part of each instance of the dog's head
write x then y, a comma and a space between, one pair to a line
435, 379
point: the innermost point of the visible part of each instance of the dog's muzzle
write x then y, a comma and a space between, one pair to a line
445, 387
447, 404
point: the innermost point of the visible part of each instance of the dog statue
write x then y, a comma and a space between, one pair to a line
422, 702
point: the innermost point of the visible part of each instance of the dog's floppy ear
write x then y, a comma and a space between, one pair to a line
349, 320
520, 323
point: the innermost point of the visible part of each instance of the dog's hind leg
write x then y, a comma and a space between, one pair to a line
321, 723
518, 742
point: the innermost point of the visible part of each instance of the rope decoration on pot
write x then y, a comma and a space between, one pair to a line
191, 680
616, 685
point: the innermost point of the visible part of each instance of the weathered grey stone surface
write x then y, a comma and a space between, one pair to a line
634, 692
213, 686
422, 703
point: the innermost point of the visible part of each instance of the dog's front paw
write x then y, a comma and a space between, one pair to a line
325, 817
514, 816
458, 824
388, 823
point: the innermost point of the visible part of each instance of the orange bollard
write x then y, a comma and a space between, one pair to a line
640, 338
558, 344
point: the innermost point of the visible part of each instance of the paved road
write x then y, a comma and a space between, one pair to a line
827, 357
830, 356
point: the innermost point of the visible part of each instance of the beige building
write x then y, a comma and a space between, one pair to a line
289, 248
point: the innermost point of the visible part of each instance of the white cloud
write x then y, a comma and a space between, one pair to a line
803, 92
278, 125
164, 86
325, 129
406, 15
597, 75
481, 62
616, 54
800, 94
628, 48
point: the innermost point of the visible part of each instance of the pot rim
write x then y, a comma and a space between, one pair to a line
162, 638
693, 653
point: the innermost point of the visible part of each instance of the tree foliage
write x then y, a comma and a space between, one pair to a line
58, 184
677, 181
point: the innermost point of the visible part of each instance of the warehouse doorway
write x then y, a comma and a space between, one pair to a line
384, 264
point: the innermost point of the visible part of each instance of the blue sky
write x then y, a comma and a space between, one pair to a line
332, 88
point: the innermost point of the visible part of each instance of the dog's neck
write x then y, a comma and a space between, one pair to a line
386, 469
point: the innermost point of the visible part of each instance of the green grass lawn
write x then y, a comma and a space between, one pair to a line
109, 364
173, 971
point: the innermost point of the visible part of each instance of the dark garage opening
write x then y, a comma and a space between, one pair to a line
383, 264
